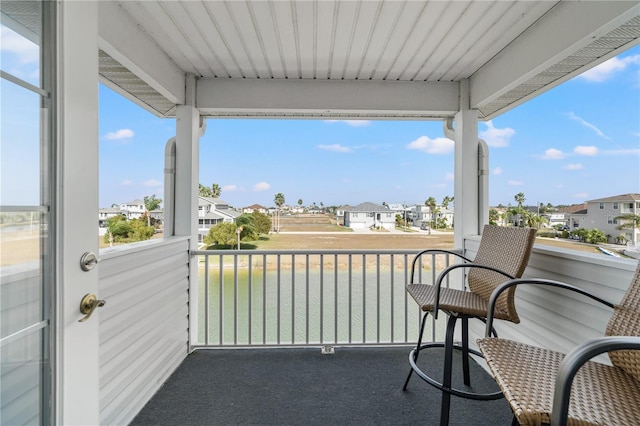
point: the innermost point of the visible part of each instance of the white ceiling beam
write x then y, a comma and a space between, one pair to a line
323, 96
125, 42
565, 29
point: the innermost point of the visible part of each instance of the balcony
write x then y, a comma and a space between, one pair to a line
308, 327
269, 303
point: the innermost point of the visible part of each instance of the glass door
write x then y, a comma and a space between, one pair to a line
26, 272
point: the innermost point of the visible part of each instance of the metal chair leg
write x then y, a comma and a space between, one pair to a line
417, 351
448, 367
465, 350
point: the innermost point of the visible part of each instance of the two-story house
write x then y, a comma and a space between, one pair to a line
212, 211
603, 214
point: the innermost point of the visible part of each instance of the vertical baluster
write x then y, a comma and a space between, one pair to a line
250, 295
392, 260
321, 299
220, 301
264, 299
236, 259
307, 298
350, 322
377, 298
406, 299
335, 299
293, 299
278, 300
206, 299
364, 298
433, 281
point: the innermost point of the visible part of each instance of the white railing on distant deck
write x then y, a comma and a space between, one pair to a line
249, 298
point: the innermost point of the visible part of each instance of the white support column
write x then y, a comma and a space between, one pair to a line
186, 186
77, 378
187, 153
466, 170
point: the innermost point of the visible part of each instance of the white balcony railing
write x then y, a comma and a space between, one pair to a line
309, 298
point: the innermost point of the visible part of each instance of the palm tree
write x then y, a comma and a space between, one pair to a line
519, 197
629, 221
431, 203
151, 203
446, 200
279, 200
216, 190
204, 191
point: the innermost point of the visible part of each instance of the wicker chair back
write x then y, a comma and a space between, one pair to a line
507, 249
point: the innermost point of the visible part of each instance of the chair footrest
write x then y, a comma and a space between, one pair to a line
453, 391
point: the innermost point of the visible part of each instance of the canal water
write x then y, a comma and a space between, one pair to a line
293, 307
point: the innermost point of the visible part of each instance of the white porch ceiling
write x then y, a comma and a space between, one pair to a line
354, 59
379, 59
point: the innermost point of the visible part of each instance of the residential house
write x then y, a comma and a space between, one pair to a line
602, 214
133, 209
340, 213
423, 214
212, 211
255, 207
106, 213
369, 215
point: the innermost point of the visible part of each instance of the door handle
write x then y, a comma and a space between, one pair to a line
89, 304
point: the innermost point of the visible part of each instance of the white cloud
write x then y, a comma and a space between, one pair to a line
497, 171
228, 188
553, 154
26, 51
126, 182
352, 123
607, 69
261, 186
589, 151
588, 125
497, 137
574, 166
449, 176
120, 134
152, 183
432, 146
515, 183
335, 148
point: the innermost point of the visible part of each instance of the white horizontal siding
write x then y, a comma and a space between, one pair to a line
557, 319
144, 324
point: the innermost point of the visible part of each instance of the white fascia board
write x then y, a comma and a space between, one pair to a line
325, 96
121, 38
565, 29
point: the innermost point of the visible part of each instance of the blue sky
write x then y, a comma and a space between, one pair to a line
577, 142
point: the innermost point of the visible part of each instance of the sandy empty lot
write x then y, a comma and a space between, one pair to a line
299, 233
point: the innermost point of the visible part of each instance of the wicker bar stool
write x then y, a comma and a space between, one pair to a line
503, 255
547, 387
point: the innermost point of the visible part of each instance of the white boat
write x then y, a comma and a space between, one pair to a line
609, 252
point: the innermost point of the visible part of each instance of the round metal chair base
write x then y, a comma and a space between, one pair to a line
453, 391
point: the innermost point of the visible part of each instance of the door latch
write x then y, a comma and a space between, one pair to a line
89, 304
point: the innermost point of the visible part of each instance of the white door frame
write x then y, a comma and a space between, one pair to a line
76, 390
